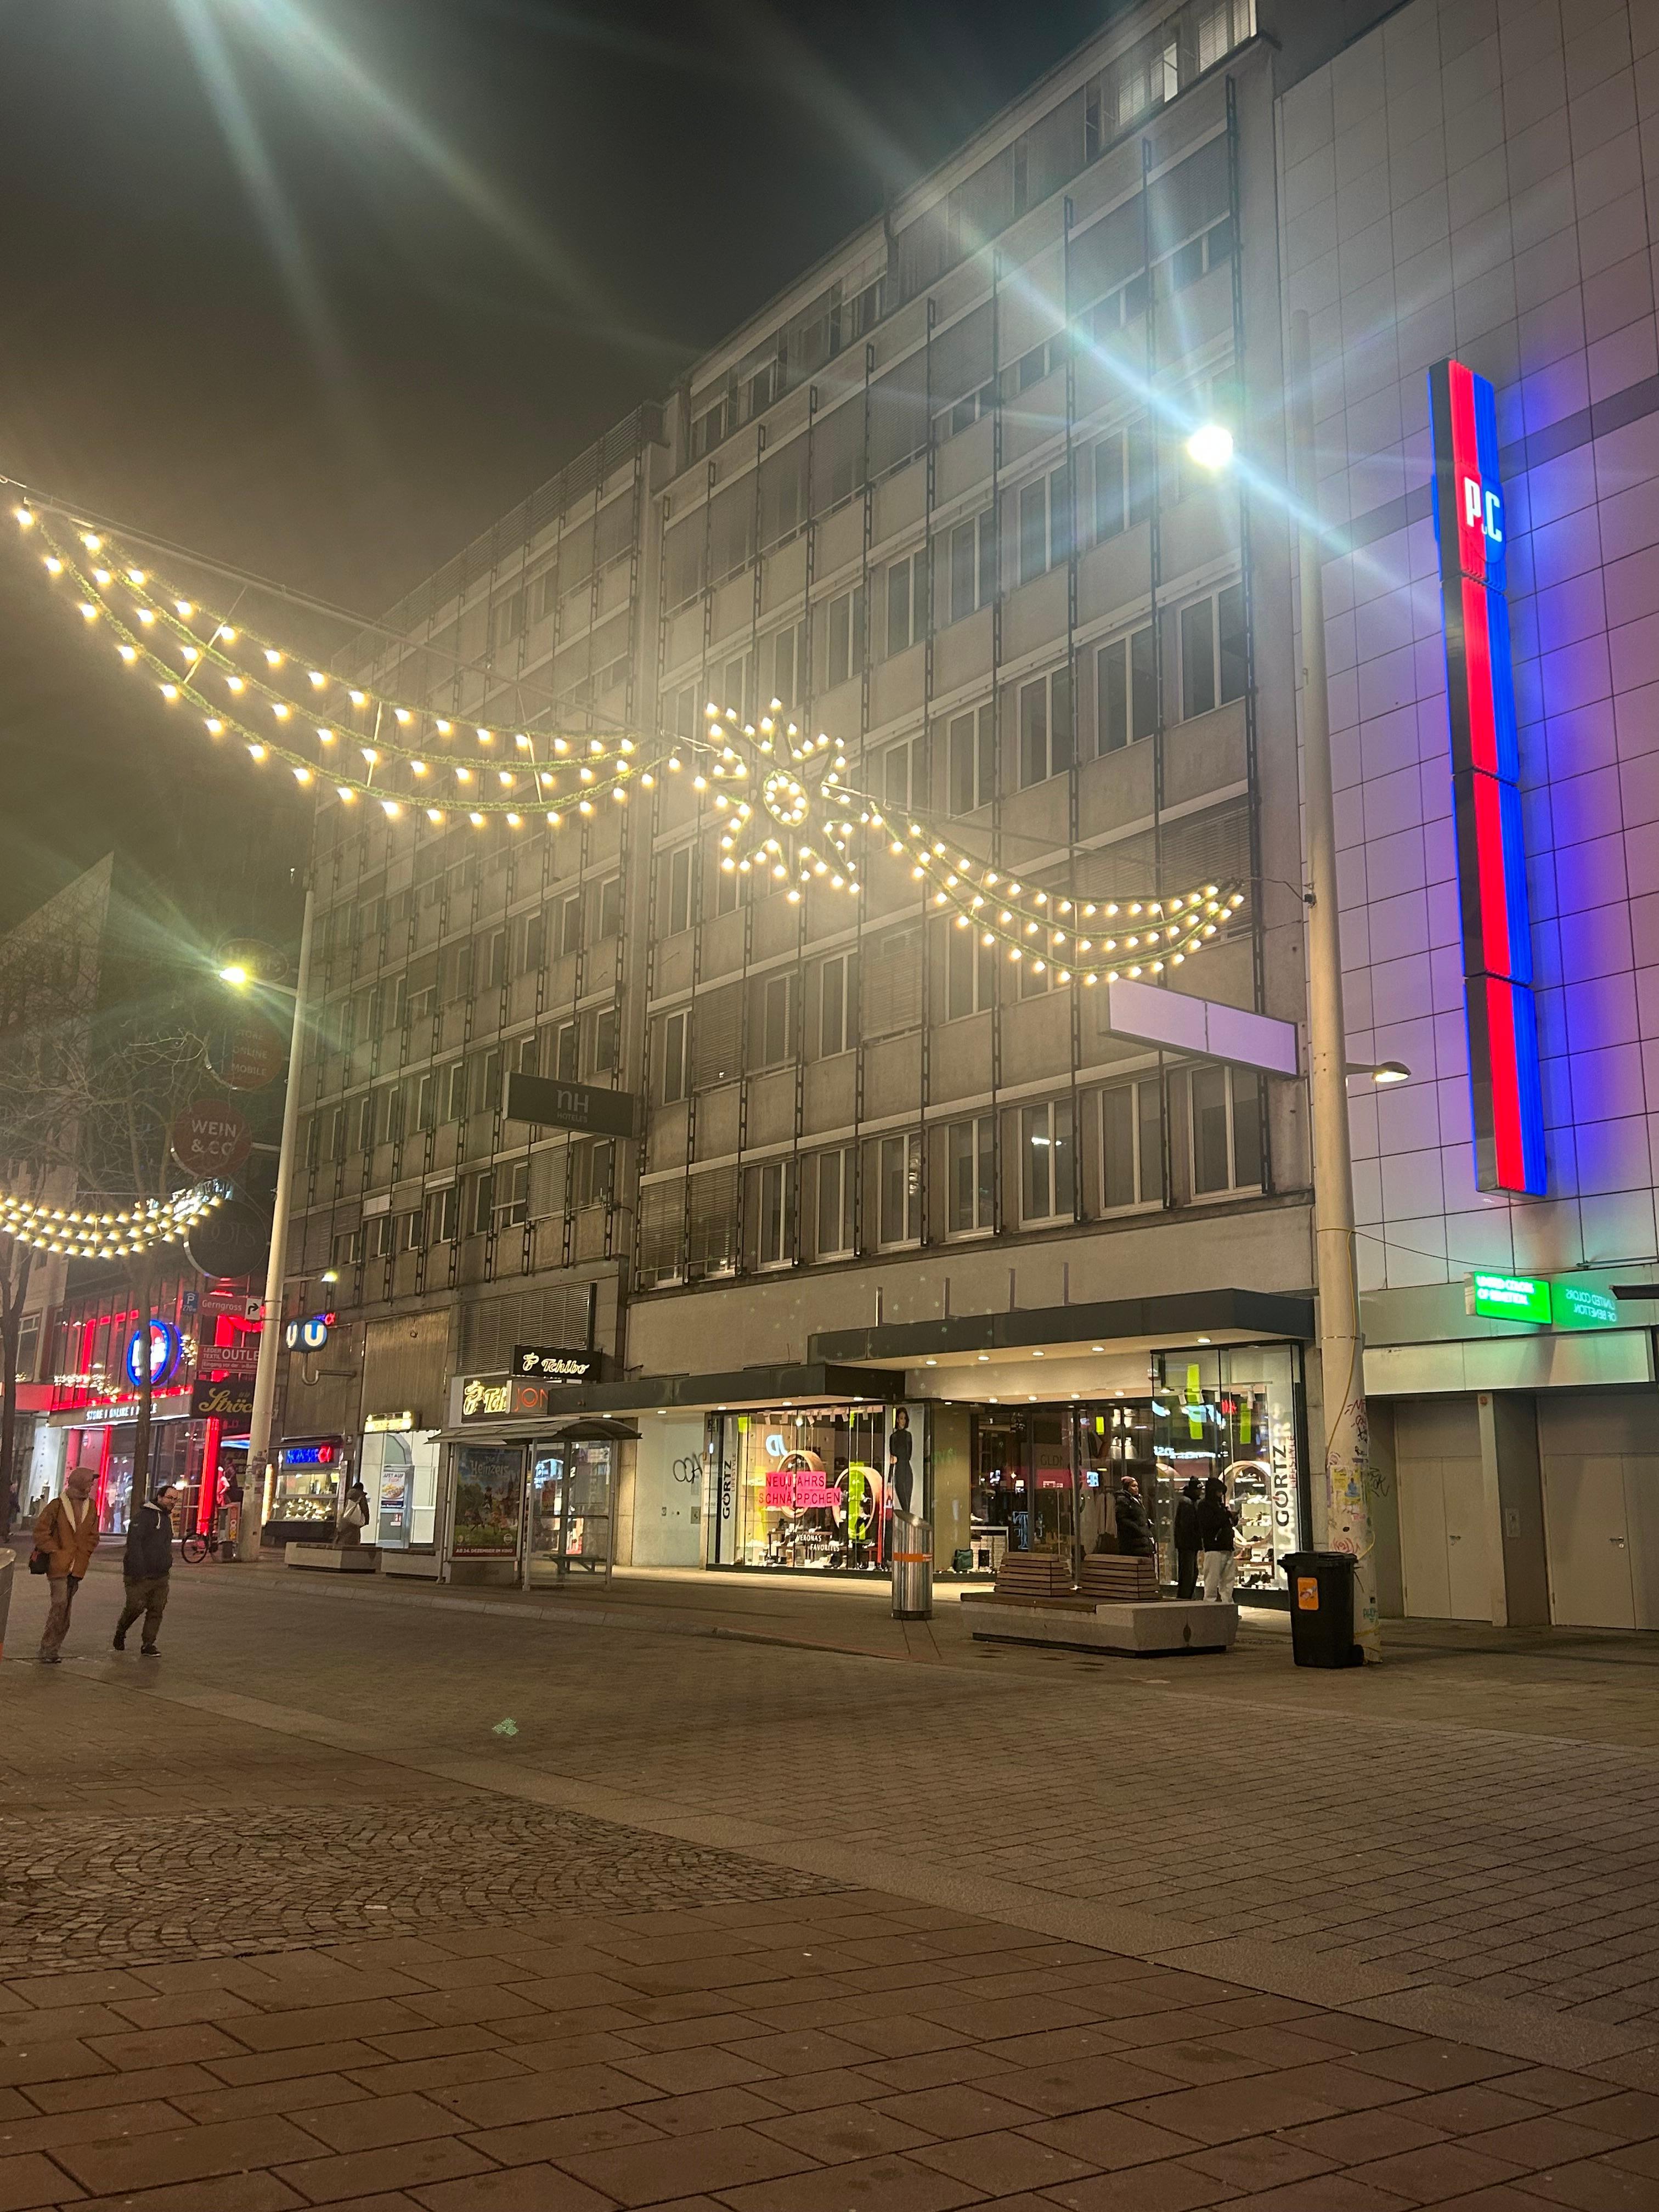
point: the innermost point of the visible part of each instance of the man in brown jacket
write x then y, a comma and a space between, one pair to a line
67, 1532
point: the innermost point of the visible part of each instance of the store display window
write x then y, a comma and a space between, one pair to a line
306, 1488
1231, 1411
816, 1489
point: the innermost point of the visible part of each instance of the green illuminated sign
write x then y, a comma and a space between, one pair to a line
1509, 1297
1575, 1305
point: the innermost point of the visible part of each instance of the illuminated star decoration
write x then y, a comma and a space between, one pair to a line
86, 1233
794, 815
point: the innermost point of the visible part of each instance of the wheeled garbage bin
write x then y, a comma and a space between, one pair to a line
913, 1569
1321, 1608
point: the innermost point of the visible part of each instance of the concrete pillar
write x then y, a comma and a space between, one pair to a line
1515, 1508
952, 1432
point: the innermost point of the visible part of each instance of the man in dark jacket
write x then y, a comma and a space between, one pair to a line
147, 1566
1218, 1532
1187, 1542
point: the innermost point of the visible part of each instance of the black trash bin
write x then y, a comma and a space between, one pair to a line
1321, 1608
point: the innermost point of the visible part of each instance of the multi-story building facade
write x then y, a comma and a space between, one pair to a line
936, 502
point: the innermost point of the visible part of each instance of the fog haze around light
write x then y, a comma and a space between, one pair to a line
322, 287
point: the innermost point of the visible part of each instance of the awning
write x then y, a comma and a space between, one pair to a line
1116, 1324
734, 1391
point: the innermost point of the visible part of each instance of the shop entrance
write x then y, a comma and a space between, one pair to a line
571, 1492
1023, 1495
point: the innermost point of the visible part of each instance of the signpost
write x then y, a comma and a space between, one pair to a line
555, 1105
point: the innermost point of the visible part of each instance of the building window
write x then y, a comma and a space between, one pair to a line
1123, 480
708, 429
1045, 523
425, 1101
970, 973
1132, 1146
1047, 1156
973, 565
971, 1172
1035, 977
838, 1003
391, 1113
846, 655
678, 902
510, 1197
1213, 652
673, 1044
903, 781
485, 1091
952, 421
774, 1214
972, 745
443, 1214
783, 659
906, 601
1045, 728
386, 1236
611, 906
455, 1091
1226, 1130
529, 1055
366, 1116
593, 1171
567, 1051
891, 983
570, 925
738, 687
776, 1025
602, 1058
899, 1168
532, 942
496, 961
482, 1198
836, 1195
336, 1133
1126, 691
347, 1249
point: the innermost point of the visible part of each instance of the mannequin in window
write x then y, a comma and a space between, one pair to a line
899, 1466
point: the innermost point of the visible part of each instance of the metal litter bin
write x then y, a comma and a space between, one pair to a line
913, 1569
1321, 1608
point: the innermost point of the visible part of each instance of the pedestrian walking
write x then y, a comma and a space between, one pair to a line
1134, 1531
1188, 1541
1218, 1530
148, 1567
65, 1536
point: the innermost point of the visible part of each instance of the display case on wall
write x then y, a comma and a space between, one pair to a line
305, 1490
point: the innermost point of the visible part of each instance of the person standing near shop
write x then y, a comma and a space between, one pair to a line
1134, 1531
1218, 1532
66, 1534
353, 1517
147, 1566
1187, 1542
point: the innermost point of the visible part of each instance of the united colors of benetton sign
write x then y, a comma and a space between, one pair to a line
1505, 1091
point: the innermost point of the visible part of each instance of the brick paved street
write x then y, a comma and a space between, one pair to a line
756, 1925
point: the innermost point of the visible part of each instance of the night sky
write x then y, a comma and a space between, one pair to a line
322, 287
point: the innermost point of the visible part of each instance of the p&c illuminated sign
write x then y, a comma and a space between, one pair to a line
1505, 1091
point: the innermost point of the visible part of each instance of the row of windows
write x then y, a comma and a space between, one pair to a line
806, 1207
483, 1205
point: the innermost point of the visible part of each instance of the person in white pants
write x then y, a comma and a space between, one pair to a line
1218, 1528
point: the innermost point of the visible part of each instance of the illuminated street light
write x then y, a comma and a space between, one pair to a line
233, 975
1384, 1073
1210, 446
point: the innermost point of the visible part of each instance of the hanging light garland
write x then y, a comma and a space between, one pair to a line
404, 757
785, 808
86, 1233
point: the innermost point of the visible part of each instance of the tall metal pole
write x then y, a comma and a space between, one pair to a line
1341, 1346
255, 1488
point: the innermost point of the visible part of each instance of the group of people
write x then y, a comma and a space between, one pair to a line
65, 1538
1206, 1528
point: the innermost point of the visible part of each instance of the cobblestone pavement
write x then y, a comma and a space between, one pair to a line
152, 1887
771, 1930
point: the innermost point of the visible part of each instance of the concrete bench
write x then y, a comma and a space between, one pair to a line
323, 1558
1157, 1628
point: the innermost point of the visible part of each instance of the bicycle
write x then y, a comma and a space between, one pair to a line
195, 1547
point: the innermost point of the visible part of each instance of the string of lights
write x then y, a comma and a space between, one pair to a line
782, 800
86, 1232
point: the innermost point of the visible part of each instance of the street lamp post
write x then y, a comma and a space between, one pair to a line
256, 1489
1341, 1344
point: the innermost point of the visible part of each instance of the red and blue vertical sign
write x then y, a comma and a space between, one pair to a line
1504, 1084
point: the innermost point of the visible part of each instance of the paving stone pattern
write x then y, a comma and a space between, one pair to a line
855, 2053
1510, 1865
148, 1887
